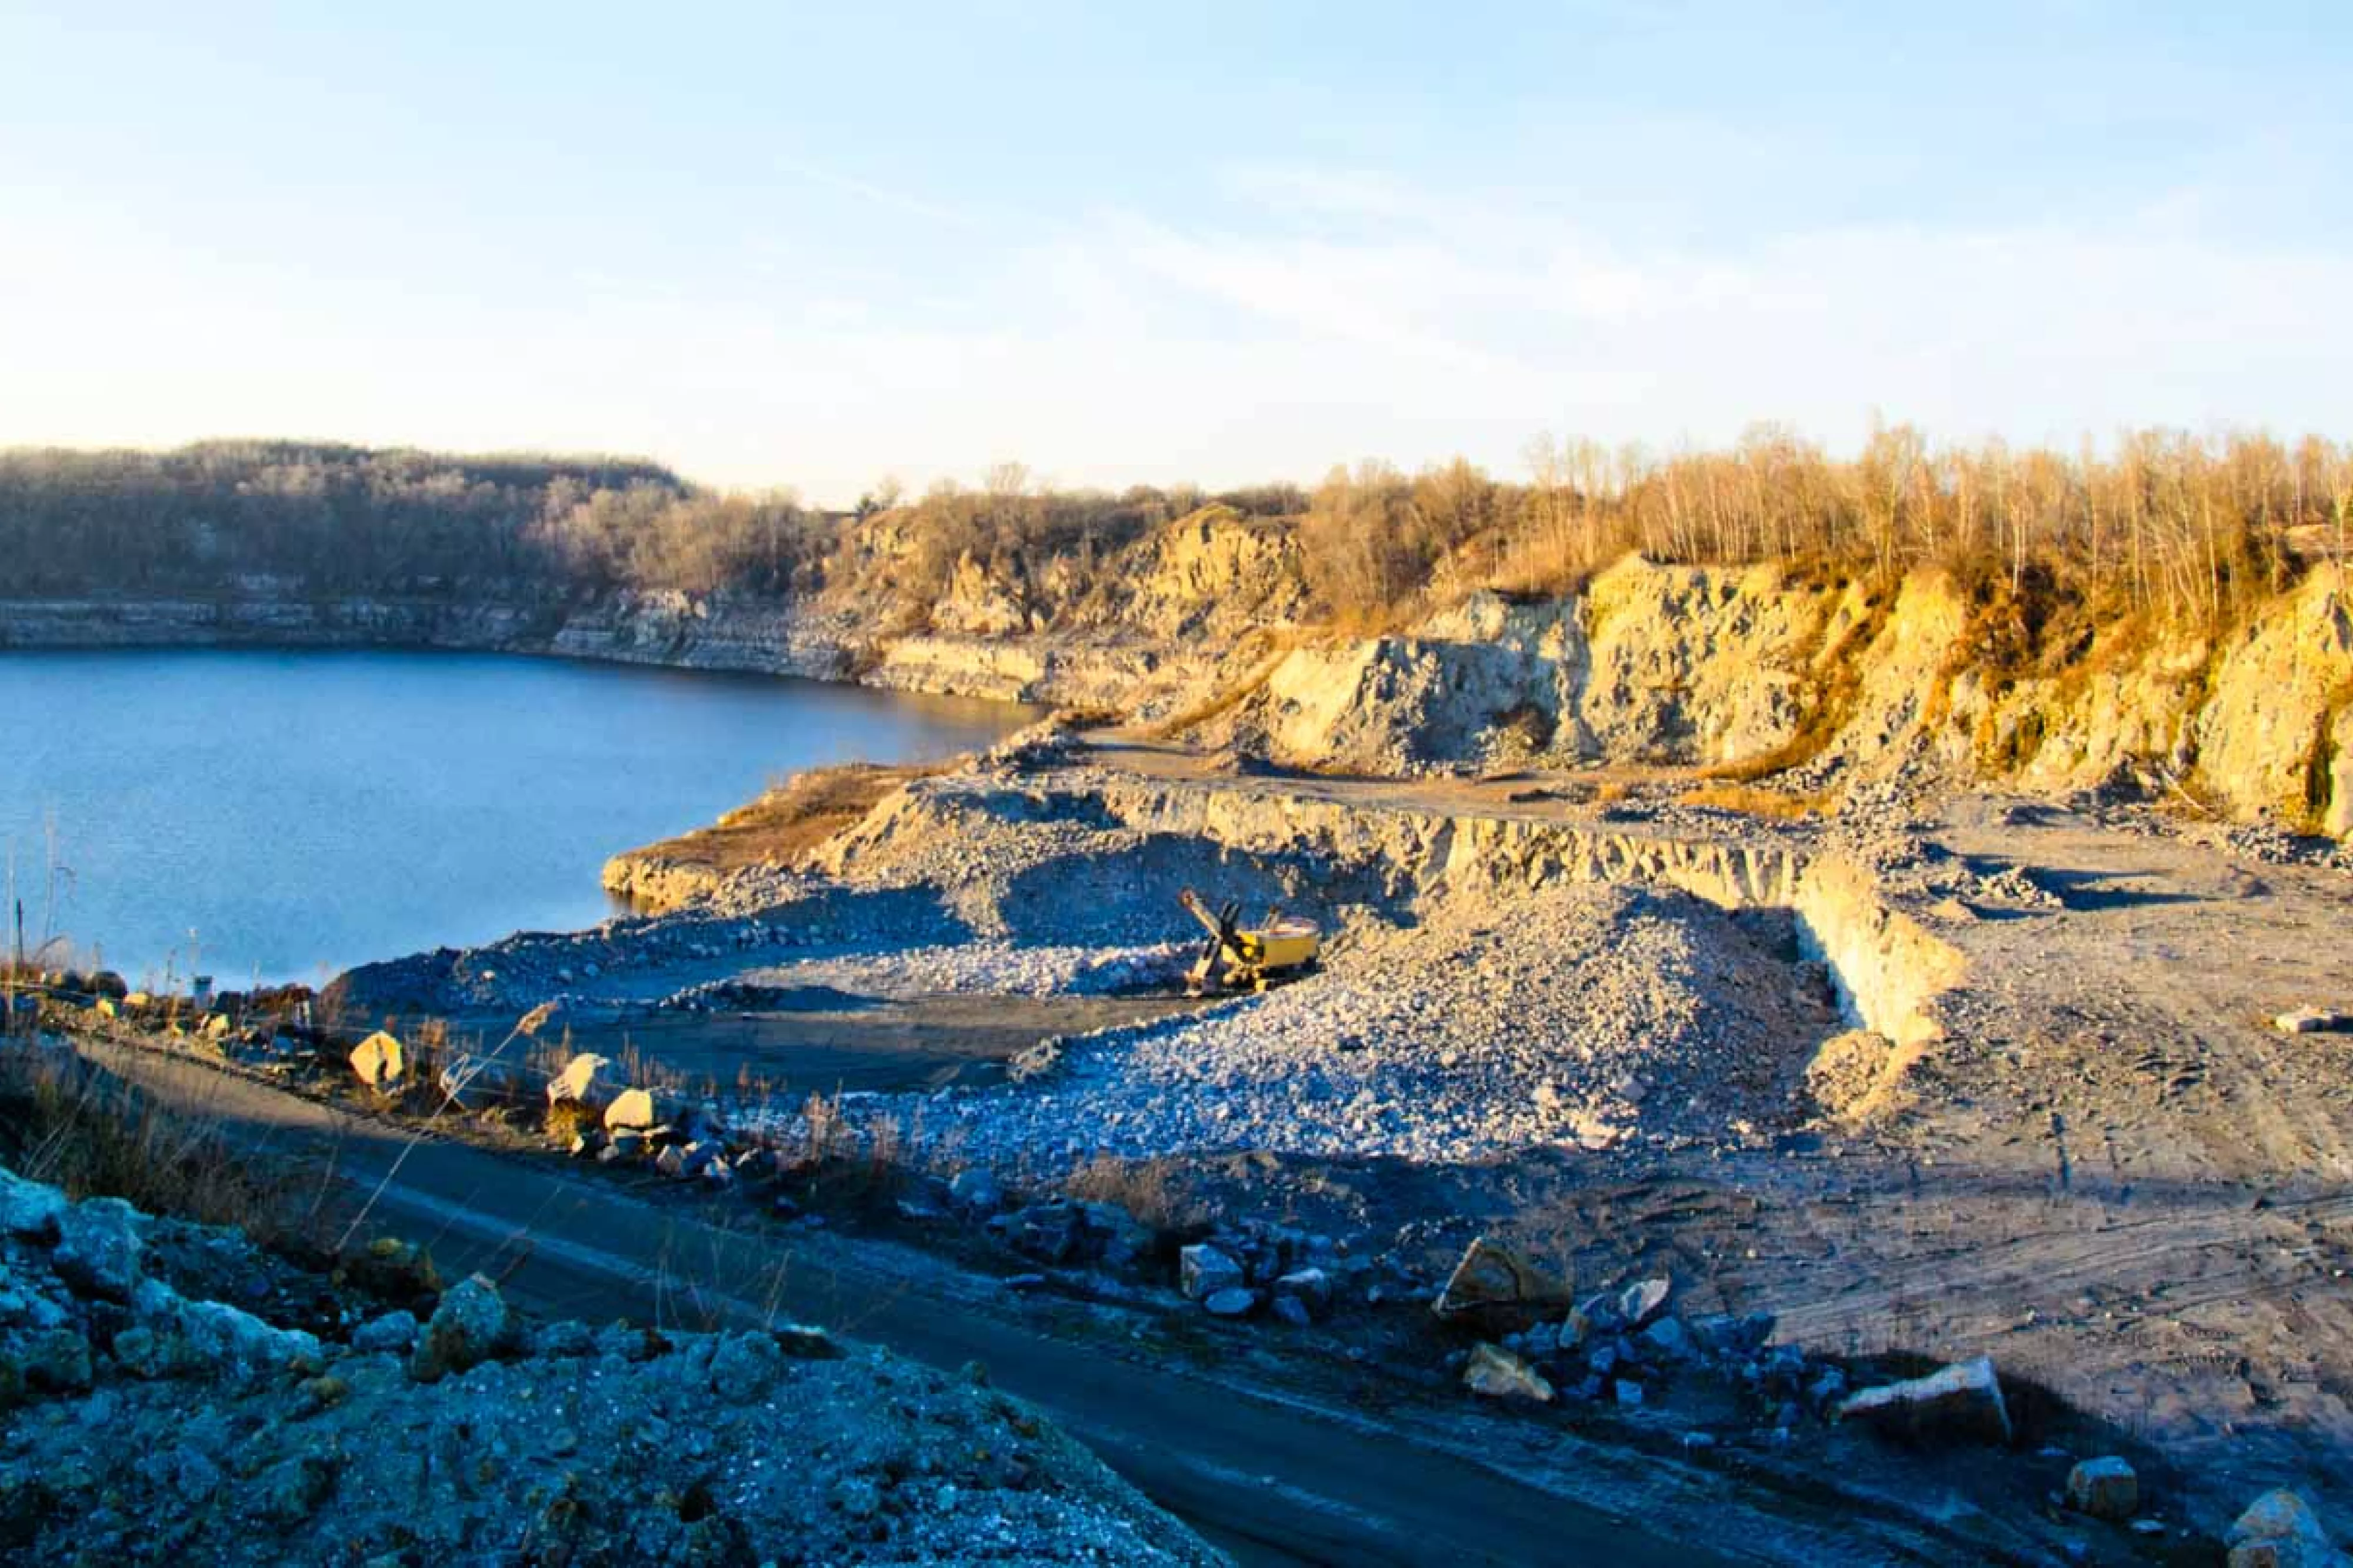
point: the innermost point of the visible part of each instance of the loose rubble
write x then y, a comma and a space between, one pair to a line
144, 1425
1575, 1017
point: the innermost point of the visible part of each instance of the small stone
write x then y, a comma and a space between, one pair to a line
1293, 1310
1493, 1282
632, 1110
1724, 1334
2105, 1488
586, 1080
2314, 1021
1312, 1288
1630, 1394
1642, 1301
1960, 1403
1667, 1337
472, 1324
322, 1392
1497, 1373
1600, 1313
1234, 1302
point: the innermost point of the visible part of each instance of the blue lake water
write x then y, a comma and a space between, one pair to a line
286, 815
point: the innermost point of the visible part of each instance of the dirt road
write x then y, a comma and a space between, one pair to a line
1272, 1478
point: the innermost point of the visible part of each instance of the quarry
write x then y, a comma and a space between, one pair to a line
1718, 931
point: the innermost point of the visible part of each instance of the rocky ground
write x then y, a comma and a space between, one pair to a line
1477, 1031
145, 1419
1933, 1077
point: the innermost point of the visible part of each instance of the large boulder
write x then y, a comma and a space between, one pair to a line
632, 1111
586, 1080
2279, 1530
1961, 1403
472, 1325
379, 1061
1493, 1284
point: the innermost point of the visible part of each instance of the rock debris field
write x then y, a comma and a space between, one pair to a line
149, 1423
1581, 1016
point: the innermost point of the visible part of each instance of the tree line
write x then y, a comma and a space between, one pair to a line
2167, 522
2185, 526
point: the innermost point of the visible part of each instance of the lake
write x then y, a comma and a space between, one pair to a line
283, 815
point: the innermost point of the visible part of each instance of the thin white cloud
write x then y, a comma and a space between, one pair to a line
878, 195
1268, 339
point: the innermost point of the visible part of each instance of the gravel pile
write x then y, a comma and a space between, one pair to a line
984, 968
1581, 1016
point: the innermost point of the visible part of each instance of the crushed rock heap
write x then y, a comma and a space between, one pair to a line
142, 1423
1579, 1014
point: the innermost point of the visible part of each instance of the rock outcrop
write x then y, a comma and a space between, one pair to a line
147, 1425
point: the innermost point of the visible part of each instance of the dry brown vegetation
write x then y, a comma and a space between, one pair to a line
2186, 526
1750, 801
2159, 523
76, 1126
790, 820
1154, 1191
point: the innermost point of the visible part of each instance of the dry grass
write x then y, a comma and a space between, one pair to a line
76, 1126
1750, 801
790, 820
1153, 1191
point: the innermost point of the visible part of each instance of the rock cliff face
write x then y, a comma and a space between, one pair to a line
1662, 666
1686, 666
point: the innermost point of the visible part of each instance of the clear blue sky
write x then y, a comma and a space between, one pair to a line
811, 244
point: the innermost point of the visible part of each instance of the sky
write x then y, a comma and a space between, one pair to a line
814, 244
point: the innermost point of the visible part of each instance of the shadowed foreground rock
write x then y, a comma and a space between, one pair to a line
1959, 1404
141, 1426
1494, 1284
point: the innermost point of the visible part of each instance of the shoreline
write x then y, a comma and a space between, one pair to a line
791, 639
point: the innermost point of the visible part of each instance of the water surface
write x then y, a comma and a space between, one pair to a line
286, 815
